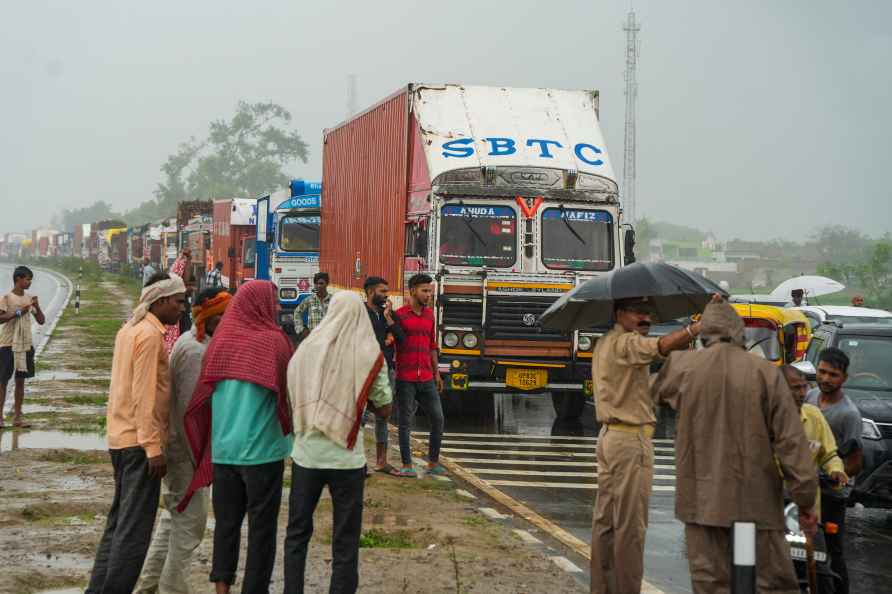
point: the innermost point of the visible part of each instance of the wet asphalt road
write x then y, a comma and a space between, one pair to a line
514, 443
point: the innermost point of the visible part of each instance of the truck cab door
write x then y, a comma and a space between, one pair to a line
264, 240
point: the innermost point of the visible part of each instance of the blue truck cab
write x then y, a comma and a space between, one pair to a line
288, 243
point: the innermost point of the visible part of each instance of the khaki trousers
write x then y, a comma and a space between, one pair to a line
177, 535
625, 476
709, 557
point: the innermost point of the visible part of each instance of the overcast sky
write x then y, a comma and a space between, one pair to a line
756, 119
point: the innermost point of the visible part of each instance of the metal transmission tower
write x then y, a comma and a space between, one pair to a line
351, 95
629, 198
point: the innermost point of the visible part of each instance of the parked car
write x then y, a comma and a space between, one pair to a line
844, 314
869, 347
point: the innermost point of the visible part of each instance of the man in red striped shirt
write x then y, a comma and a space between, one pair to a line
418, 380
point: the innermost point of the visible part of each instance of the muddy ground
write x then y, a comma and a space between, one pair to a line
419, 535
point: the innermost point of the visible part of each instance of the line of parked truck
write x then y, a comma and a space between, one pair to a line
506, 196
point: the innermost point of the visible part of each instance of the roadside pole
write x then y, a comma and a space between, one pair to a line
77, 291
743, 563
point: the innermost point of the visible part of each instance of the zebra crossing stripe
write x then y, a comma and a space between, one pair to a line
533, 453
508, 436
511, 471
582, 486
533, 444
540, 463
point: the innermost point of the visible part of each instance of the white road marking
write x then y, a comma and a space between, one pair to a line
540, 463
576, 446
526, 536
465, 494
565, 564
534, 453
492, 514
512, 471
509, 436
586, 486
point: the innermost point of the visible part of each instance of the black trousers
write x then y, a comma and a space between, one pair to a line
257, 491
346, 488
128, 529
833, 509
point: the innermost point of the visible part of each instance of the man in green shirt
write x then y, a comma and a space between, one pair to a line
336, 372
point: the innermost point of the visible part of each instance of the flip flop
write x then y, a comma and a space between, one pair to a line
407, 473
438, 470
21, 425
389, 470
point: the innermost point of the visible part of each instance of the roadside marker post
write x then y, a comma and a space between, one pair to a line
743, 565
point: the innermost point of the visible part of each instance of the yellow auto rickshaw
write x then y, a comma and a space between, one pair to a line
777, 334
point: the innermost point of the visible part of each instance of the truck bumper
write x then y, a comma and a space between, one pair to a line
462, 373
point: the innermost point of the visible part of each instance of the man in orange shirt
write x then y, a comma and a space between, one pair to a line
137, 421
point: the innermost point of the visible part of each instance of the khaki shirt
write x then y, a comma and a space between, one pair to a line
139, 396
620, 375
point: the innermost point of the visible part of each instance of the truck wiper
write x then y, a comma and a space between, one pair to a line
467, 221
570, 227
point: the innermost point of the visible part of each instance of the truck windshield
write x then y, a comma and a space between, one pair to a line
478, 235
299, 233
575, 239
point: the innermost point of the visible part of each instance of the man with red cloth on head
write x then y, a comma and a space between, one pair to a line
239, 429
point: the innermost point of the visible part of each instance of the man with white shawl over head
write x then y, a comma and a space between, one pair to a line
336, 371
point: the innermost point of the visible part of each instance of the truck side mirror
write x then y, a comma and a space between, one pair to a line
629, 246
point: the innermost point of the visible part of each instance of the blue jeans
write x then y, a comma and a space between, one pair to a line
425, 394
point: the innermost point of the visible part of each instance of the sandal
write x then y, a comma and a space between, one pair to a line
438, 470
389, 470
407, 473
21, 424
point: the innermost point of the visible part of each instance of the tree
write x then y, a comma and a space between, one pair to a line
100, 210
244, 156
838, 244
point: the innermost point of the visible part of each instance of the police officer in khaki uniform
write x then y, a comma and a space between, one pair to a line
625, 410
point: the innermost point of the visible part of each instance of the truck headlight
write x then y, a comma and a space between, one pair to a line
584, 343
450, 339
287, 293
469, 340
869, 430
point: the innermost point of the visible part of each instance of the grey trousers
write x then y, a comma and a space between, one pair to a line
128, 529
177, 535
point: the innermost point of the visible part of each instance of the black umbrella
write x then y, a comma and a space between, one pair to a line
673, 292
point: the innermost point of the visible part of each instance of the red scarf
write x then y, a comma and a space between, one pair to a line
249, 346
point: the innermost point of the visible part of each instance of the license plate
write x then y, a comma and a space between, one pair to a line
800, 555
526, 379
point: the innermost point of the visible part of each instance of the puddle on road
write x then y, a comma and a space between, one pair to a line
57, 375
15, 440
59, 561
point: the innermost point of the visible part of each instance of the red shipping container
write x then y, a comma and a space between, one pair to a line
364, 181
233, 239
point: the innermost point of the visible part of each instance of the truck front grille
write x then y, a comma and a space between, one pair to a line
509, 317
462, 311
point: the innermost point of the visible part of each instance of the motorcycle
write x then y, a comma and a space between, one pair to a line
827, 581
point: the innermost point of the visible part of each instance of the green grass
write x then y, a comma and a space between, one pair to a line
475, 521
378, 539
89, 400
